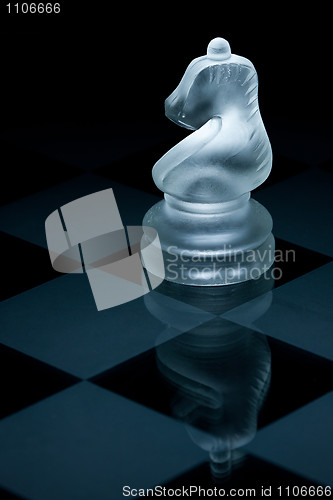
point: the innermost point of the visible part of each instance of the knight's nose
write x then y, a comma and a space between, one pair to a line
172, 107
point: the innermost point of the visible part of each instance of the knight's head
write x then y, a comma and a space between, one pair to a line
214, 84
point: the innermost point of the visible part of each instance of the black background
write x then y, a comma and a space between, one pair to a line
102, 62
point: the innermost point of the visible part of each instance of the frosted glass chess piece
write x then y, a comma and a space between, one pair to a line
211, 231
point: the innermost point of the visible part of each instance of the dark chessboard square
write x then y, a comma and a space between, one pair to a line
187, 375
139, 380
250, 472
327, 165
298, 377
25, 172
24, 266
294, 261
26, 380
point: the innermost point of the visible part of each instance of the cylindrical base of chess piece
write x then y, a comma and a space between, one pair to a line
213, 244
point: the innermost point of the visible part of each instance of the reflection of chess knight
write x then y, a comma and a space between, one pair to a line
219, 391
220, 373
217, 233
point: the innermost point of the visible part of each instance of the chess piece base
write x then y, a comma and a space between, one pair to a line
213, 244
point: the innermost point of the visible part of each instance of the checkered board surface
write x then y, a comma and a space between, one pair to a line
86, 407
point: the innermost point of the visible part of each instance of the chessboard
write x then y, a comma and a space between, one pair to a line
140, 395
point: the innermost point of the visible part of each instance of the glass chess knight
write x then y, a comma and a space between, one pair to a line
211, 231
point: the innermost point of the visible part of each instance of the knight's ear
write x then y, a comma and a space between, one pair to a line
218, 49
